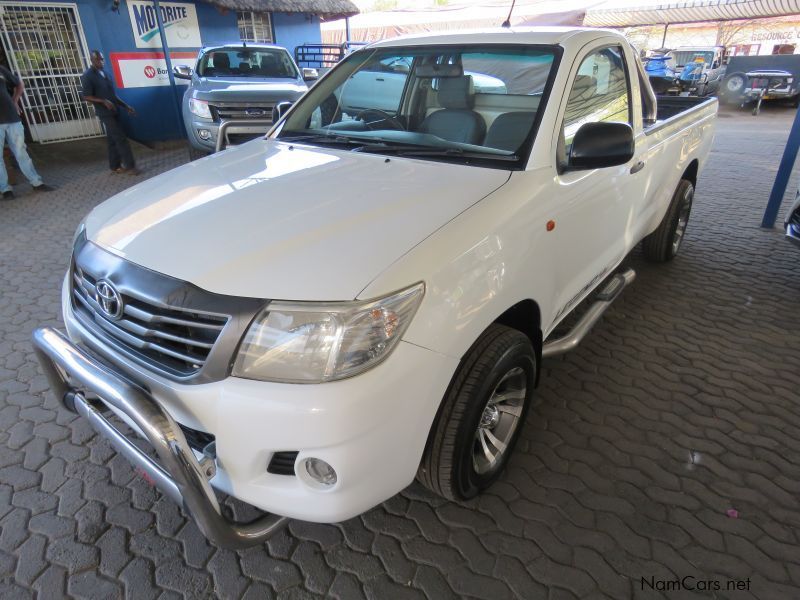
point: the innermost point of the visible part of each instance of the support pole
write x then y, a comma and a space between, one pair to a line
172, 84
347, 29
784, 172
664, 39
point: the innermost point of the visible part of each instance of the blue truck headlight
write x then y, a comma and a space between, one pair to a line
199, 108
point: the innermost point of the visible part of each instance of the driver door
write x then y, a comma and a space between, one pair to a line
595, 206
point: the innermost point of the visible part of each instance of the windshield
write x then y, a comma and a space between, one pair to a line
265, 63
456, 103
685, 57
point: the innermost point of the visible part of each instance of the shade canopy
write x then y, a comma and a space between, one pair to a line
687, 12
327, 9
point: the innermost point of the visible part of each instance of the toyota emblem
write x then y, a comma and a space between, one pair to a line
108, 299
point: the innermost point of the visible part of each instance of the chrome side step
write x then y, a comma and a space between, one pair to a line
603, 300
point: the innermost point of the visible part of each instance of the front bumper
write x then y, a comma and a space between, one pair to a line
371, 428
769, 94
72, 372
194, 126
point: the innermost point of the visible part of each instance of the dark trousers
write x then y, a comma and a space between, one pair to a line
119, 150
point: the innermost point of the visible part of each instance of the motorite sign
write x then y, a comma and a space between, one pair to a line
146, 69
180, 24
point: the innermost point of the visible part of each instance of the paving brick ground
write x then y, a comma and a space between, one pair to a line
681, 406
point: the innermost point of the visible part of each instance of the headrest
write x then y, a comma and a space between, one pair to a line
456, 92
221, 60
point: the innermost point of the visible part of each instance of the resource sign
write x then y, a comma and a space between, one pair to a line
147, 69
180, 24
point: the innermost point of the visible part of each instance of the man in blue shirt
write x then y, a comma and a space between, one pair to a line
11, 129
99, 90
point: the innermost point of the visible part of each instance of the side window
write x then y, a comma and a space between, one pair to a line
395, 64
599, 93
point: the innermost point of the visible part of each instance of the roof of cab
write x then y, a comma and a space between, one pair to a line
243, 46
501, 35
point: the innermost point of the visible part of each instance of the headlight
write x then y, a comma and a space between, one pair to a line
199, 108
309, 342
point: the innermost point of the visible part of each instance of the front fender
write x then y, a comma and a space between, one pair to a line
476, 267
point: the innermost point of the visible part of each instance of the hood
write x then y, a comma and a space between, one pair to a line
247, 89
273, 220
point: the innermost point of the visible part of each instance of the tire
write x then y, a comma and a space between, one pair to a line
195, 154
732, 87
664, 243
501, 363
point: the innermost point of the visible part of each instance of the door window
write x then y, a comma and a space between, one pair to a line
599, 93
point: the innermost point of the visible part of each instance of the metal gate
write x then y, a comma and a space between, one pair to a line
46, 47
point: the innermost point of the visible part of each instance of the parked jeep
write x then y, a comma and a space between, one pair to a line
241, 83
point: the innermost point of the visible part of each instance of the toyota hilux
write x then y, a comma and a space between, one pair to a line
310, 321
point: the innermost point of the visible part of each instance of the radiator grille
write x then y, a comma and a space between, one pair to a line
223, 111
173, 339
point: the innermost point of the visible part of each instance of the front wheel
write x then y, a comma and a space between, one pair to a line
481, 416
663, 244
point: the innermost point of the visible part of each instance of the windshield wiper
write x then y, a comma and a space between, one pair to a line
387, 147
318, 138
412, 151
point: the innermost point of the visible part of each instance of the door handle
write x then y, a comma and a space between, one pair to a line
637, 167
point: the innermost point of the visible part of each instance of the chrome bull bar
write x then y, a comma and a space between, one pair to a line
180, 476
257, 126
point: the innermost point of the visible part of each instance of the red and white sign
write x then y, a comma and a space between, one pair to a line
147, 69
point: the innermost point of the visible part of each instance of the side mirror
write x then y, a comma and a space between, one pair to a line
598, 145
279, 110
182, 71
310, 74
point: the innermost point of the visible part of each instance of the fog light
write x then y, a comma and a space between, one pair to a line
204, 134
320, 471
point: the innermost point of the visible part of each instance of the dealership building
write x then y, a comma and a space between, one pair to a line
48, 44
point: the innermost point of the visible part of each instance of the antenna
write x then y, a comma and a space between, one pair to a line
507, 22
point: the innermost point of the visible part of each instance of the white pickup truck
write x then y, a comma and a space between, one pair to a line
310, 321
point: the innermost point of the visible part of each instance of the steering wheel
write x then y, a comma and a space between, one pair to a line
383, 117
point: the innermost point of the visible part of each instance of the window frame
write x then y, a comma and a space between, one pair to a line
247, 18
559, 133
526, 150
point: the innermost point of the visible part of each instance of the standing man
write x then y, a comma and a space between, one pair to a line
98, 89
11, 128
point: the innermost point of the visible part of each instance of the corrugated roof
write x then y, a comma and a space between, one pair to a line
689, 12
329, 9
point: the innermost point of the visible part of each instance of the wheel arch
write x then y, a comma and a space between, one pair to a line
690, 174
525, 316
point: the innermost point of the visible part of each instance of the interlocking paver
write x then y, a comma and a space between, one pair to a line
681, 405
